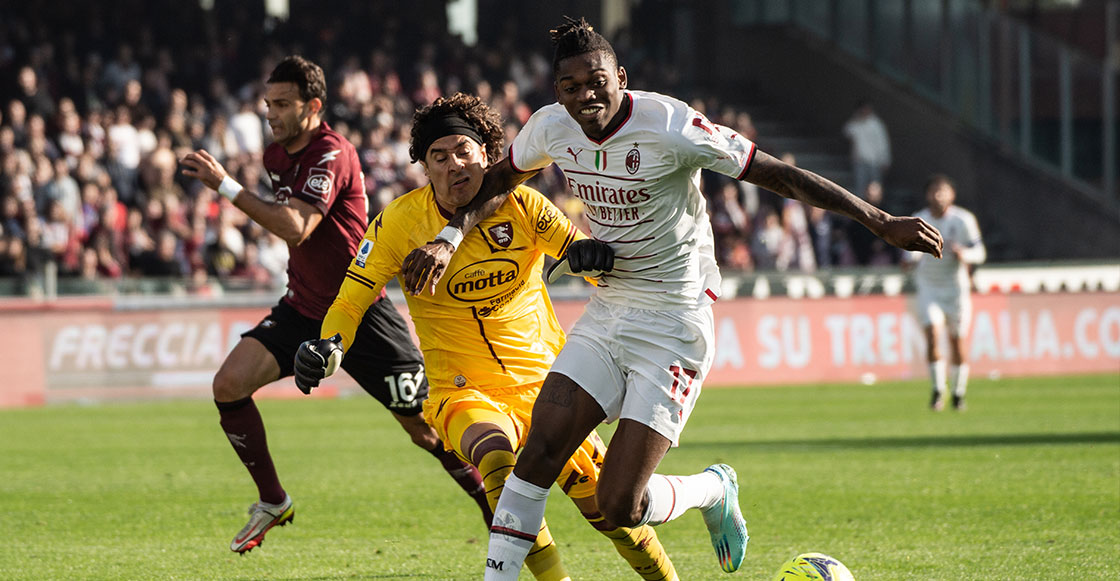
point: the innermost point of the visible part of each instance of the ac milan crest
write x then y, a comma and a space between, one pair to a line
502, 234
633, 161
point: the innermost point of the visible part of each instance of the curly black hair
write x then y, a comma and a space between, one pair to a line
486, 121
576, 37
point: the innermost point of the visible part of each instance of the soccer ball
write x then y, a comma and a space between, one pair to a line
813, 567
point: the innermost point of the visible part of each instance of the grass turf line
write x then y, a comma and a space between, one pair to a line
1025, 484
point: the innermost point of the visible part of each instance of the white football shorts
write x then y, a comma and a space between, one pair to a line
641, 364
948, 306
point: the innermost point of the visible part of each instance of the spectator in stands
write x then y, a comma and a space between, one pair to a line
871, 146
113, 112
109, 260
796, 249
165, 260
70, 141
248, 127
17, 122
730, 223
63, 188
869, 250
118, 72
35, 100
820, 229
767, 239
13, 256
59, 239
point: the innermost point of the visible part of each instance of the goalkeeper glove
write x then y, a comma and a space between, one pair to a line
315, 360
585, 257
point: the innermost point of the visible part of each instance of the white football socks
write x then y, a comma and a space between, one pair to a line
670, 496
937, 375
958, 379
517, 520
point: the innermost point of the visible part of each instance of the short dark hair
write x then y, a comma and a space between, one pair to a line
937, 180
486, 121
576, 37
307, 76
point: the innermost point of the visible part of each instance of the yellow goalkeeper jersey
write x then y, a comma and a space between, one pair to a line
490, 323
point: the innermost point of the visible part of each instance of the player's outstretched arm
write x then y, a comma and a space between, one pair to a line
293, 222
906, 232
424, 266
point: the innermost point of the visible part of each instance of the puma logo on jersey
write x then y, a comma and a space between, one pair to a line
329, 156
575, 154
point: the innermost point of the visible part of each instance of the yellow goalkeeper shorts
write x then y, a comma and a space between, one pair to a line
451, 411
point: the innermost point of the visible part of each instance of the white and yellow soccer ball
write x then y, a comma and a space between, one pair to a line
813, 567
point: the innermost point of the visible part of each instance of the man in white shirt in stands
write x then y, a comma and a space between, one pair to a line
943, 301
871, 148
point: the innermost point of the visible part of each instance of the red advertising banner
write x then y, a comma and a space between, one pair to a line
783, 341
94, 353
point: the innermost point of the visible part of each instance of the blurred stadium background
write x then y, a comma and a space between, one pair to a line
127, 280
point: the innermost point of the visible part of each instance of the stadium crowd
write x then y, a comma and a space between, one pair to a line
98, 115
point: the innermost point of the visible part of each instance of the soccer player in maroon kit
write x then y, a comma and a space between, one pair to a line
320, 210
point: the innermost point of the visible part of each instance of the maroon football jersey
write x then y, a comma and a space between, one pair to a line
327, 175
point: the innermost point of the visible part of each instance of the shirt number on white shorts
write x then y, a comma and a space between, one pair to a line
403, 387
682, 383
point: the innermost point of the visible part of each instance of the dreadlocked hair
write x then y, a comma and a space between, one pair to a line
576, 37
486, 121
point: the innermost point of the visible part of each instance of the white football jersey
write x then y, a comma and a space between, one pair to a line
958, 226
641, 188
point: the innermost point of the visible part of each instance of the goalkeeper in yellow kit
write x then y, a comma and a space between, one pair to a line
488, 332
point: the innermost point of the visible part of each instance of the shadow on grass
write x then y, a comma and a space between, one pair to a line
939, 441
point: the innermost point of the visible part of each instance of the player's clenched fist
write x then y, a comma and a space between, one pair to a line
587, 258
590, 255
316, 359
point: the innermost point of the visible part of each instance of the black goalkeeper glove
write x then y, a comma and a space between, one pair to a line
585, 257
316, 359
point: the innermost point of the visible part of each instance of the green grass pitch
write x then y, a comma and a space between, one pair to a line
1024, 485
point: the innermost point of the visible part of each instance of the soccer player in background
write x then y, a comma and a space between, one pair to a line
320, 210
644, 344
944, 300
490, 334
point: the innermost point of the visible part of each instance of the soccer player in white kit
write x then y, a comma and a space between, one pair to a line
944, 301
642, 348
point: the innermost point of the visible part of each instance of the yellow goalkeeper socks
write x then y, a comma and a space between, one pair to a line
544, 558
639, 546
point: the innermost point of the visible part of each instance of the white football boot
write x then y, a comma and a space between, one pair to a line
262, 517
